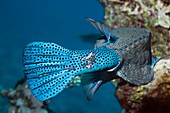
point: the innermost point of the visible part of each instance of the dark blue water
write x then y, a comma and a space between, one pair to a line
62, 22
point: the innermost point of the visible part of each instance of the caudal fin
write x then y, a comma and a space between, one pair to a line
49, 68
46, 66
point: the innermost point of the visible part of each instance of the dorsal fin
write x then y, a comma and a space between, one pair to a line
104, 29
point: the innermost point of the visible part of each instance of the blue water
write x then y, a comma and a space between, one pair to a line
62, 22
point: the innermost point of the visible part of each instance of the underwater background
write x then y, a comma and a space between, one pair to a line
62, 22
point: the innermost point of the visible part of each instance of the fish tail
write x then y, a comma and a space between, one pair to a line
49, 68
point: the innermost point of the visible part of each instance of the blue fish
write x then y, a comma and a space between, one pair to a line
124, 52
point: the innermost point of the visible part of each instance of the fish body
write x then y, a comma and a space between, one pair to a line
135, 50
134, 47
123, 52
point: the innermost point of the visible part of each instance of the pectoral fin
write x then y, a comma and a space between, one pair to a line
91, 83
90, 89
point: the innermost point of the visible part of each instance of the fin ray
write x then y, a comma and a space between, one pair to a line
48, 83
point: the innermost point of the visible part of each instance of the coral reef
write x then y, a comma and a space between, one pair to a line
150, 14
22, 101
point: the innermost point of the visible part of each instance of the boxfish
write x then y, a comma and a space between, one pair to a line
119, 53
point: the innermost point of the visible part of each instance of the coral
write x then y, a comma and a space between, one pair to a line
163, 18
22, 100
150, 98
150, 14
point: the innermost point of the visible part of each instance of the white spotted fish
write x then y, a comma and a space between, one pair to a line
125, 53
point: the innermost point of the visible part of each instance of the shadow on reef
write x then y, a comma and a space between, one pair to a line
159, 105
